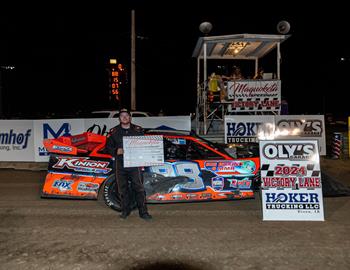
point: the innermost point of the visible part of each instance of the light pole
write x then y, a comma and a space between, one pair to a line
133, 68
205, 28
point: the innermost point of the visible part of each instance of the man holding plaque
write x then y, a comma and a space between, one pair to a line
114, 146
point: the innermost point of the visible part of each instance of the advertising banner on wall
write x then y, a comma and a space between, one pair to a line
247, 128
49, 129
302, 127
22, 140
291, 180
254, 95
16, 140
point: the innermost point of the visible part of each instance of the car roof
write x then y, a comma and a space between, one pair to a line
114, 112
168, 132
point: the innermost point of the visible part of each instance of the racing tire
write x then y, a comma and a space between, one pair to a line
111, 195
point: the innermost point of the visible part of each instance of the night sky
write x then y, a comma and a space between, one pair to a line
60, 55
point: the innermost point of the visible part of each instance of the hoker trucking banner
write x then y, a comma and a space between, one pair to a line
247, 128
254, 95
291, 180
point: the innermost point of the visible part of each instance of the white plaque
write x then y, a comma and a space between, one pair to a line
140, 151
291, 180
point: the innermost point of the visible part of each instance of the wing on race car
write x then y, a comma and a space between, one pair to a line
77, 168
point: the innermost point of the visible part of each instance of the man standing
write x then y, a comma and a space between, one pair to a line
114, 146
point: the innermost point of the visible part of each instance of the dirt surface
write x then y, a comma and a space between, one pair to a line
50, 234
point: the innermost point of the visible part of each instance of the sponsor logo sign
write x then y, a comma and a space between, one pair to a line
291, 180
248, 128
16, 140
254, 95
302, 127
293, 151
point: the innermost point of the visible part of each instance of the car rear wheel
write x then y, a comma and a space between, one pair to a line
110, 194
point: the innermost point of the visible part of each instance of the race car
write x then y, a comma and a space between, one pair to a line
194, 170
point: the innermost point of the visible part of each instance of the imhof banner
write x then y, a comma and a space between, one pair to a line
291, 180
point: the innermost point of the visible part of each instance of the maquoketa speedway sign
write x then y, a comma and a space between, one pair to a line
142, 151
291, 180
254, 95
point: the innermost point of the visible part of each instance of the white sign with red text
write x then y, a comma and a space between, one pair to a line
141, 151
291, 180
254, 95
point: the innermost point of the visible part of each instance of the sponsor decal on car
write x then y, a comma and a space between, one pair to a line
222, 166
192, 196
63, 185
240, 183
62, 148
88, 187
206, 195
217, 183
179, 141
78, 139
82, 165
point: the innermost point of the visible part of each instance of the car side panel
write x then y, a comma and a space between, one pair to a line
201, 180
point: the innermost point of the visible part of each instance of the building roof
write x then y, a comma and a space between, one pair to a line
239, 46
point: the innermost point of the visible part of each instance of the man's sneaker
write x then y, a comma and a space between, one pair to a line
146, 216
124, 215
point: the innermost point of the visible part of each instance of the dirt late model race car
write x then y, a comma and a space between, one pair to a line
194, 170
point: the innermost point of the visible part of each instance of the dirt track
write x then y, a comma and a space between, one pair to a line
65, 234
